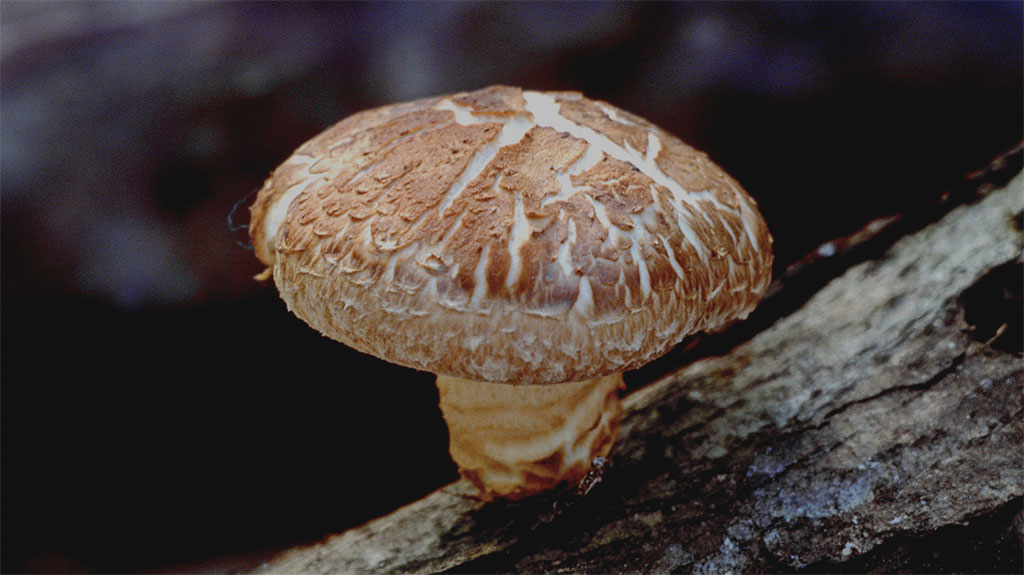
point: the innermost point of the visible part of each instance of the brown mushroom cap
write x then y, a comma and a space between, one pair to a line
509, 236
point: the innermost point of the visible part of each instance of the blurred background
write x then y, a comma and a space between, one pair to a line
162, 411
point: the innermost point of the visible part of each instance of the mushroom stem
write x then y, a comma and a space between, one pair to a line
514, 441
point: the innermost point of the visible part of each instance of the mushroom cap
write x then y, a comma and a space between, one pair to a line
510, 236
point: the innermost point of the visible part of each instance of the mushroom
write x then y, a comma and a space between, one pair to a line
526, 247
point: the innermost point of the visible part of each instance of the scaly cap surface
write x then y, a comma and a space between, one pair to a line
509, 236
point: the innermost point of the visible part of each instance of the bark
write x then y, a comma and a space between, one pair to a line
875, 426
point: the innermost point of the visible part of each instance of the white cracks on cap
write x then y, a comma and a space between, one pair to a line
641, 264
544, 110
653, 148
480, 275
671, 256
584, 304
751, 221
463, 114
683, 214
590, 158
601, 214
564, 257
615, 116
513, 129
518, 236
640, 235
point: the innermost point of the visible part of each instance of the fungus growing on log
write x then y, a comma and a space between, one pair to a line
526, 247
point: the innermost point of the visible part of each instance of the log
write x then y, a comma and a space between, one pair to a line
876, 427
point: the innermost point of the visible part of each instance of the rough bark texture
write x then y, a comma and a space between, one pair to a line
878, 427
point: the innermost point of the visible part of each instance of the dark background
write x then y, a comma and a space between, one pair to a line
163, 411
